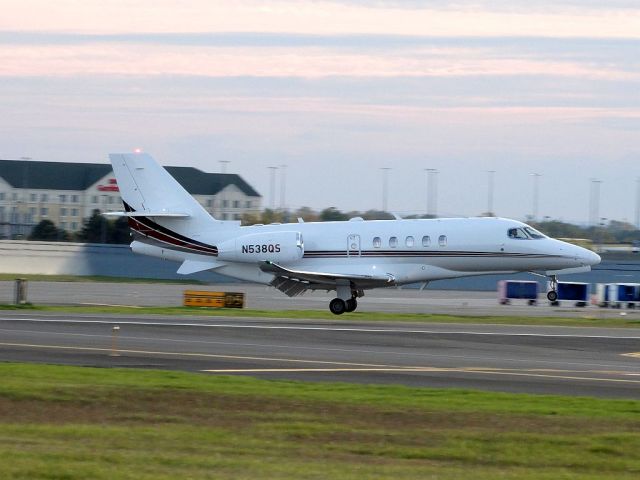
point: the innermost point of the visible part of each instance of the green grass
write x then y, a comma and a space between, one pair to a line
584, 321
94, 278
77, 423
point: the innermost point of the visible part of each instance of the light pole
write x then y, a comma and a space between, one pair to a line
594, 201
273, 186
490, 174
432, 191
385, 187
535, 176
638, 203
602, 222
283, 186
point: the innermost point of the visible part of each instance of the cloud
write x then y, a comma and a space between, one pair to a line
323, 17
338, 88
307, 62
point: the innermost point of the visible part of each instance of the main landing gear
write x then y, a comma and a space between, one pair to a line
346, 300
339, 306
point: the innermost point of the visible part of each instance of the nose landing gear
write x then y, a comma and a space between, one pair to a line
552, 295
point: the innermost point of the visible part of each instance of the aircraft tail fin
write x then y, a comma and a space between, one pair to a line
145, 186
152, 196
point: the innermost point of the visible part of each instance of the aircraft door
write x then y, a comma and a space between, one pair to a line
353, 245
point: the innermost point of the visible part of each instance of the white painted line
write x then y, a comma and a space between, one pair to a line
419, 355
478, 371
363, 367
320, 349
188, 354
321, 328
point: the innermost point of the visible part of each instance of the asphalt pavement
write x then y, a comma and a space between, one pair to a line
603, 362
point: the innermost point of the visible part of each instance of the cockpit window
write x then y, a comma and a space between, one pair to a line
518, 233
525, 233
533, 233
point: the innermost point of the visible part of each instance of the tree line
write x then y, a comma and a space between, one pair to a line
98, 229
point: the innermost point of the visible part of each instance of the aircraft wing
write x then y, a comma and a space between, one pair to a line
295, 282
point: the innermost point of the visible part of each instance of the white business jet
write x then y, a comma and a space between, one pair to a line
348, 257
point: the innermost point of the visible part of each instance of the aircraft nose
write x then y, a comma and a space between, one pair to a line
587, 257
591, 258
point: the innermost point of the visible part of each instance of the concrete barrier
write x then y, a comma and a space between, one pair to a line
53, 258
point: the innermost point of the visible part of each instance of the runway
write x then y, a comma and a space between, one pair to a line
551, 360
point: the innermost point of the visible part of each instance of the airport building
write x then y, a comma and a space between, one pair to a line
68, 193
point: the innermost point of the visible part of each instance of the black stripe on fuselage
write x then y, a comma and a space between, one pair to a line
148, 228
414, 253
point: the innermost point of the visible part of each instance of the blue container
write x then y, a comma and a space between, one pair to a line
516, 289
573, 291
626, 292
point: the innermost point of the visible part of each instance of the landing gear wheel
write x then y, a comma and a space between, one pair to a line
337, 306
552, 296
351, 305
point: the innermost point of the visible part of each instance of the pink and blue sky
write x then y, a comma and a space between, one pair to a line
336, 90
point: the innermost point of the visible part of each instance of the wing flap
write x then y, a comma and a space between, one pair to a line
324, 279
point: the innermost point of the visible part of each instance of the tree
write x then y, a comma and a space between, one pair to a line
306, 213
95, 230
46, 230
119, 231
332, 214
271, 216
377, 215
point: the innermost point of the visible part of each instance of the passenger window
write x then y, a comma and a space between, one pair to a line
426, 241
442, 240
377, 242
393, 242
410, 242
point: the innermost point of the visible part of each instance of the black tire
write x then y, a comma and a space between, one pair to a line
337, 306
552, 296
351, 305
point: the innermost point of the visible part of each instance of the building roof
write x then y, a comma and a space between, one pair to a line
35, 175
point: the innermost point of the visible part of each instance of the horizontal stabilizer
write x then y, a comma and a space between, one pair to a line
195, 266
147, 214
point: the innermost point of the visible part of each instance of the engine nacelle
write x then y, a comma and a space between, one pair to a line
277, 247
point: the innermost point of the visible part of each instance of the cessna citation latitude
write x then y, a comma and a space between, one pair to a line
348, 257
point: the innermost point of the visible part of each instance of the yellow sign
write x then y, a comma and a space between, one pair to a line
198, 298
